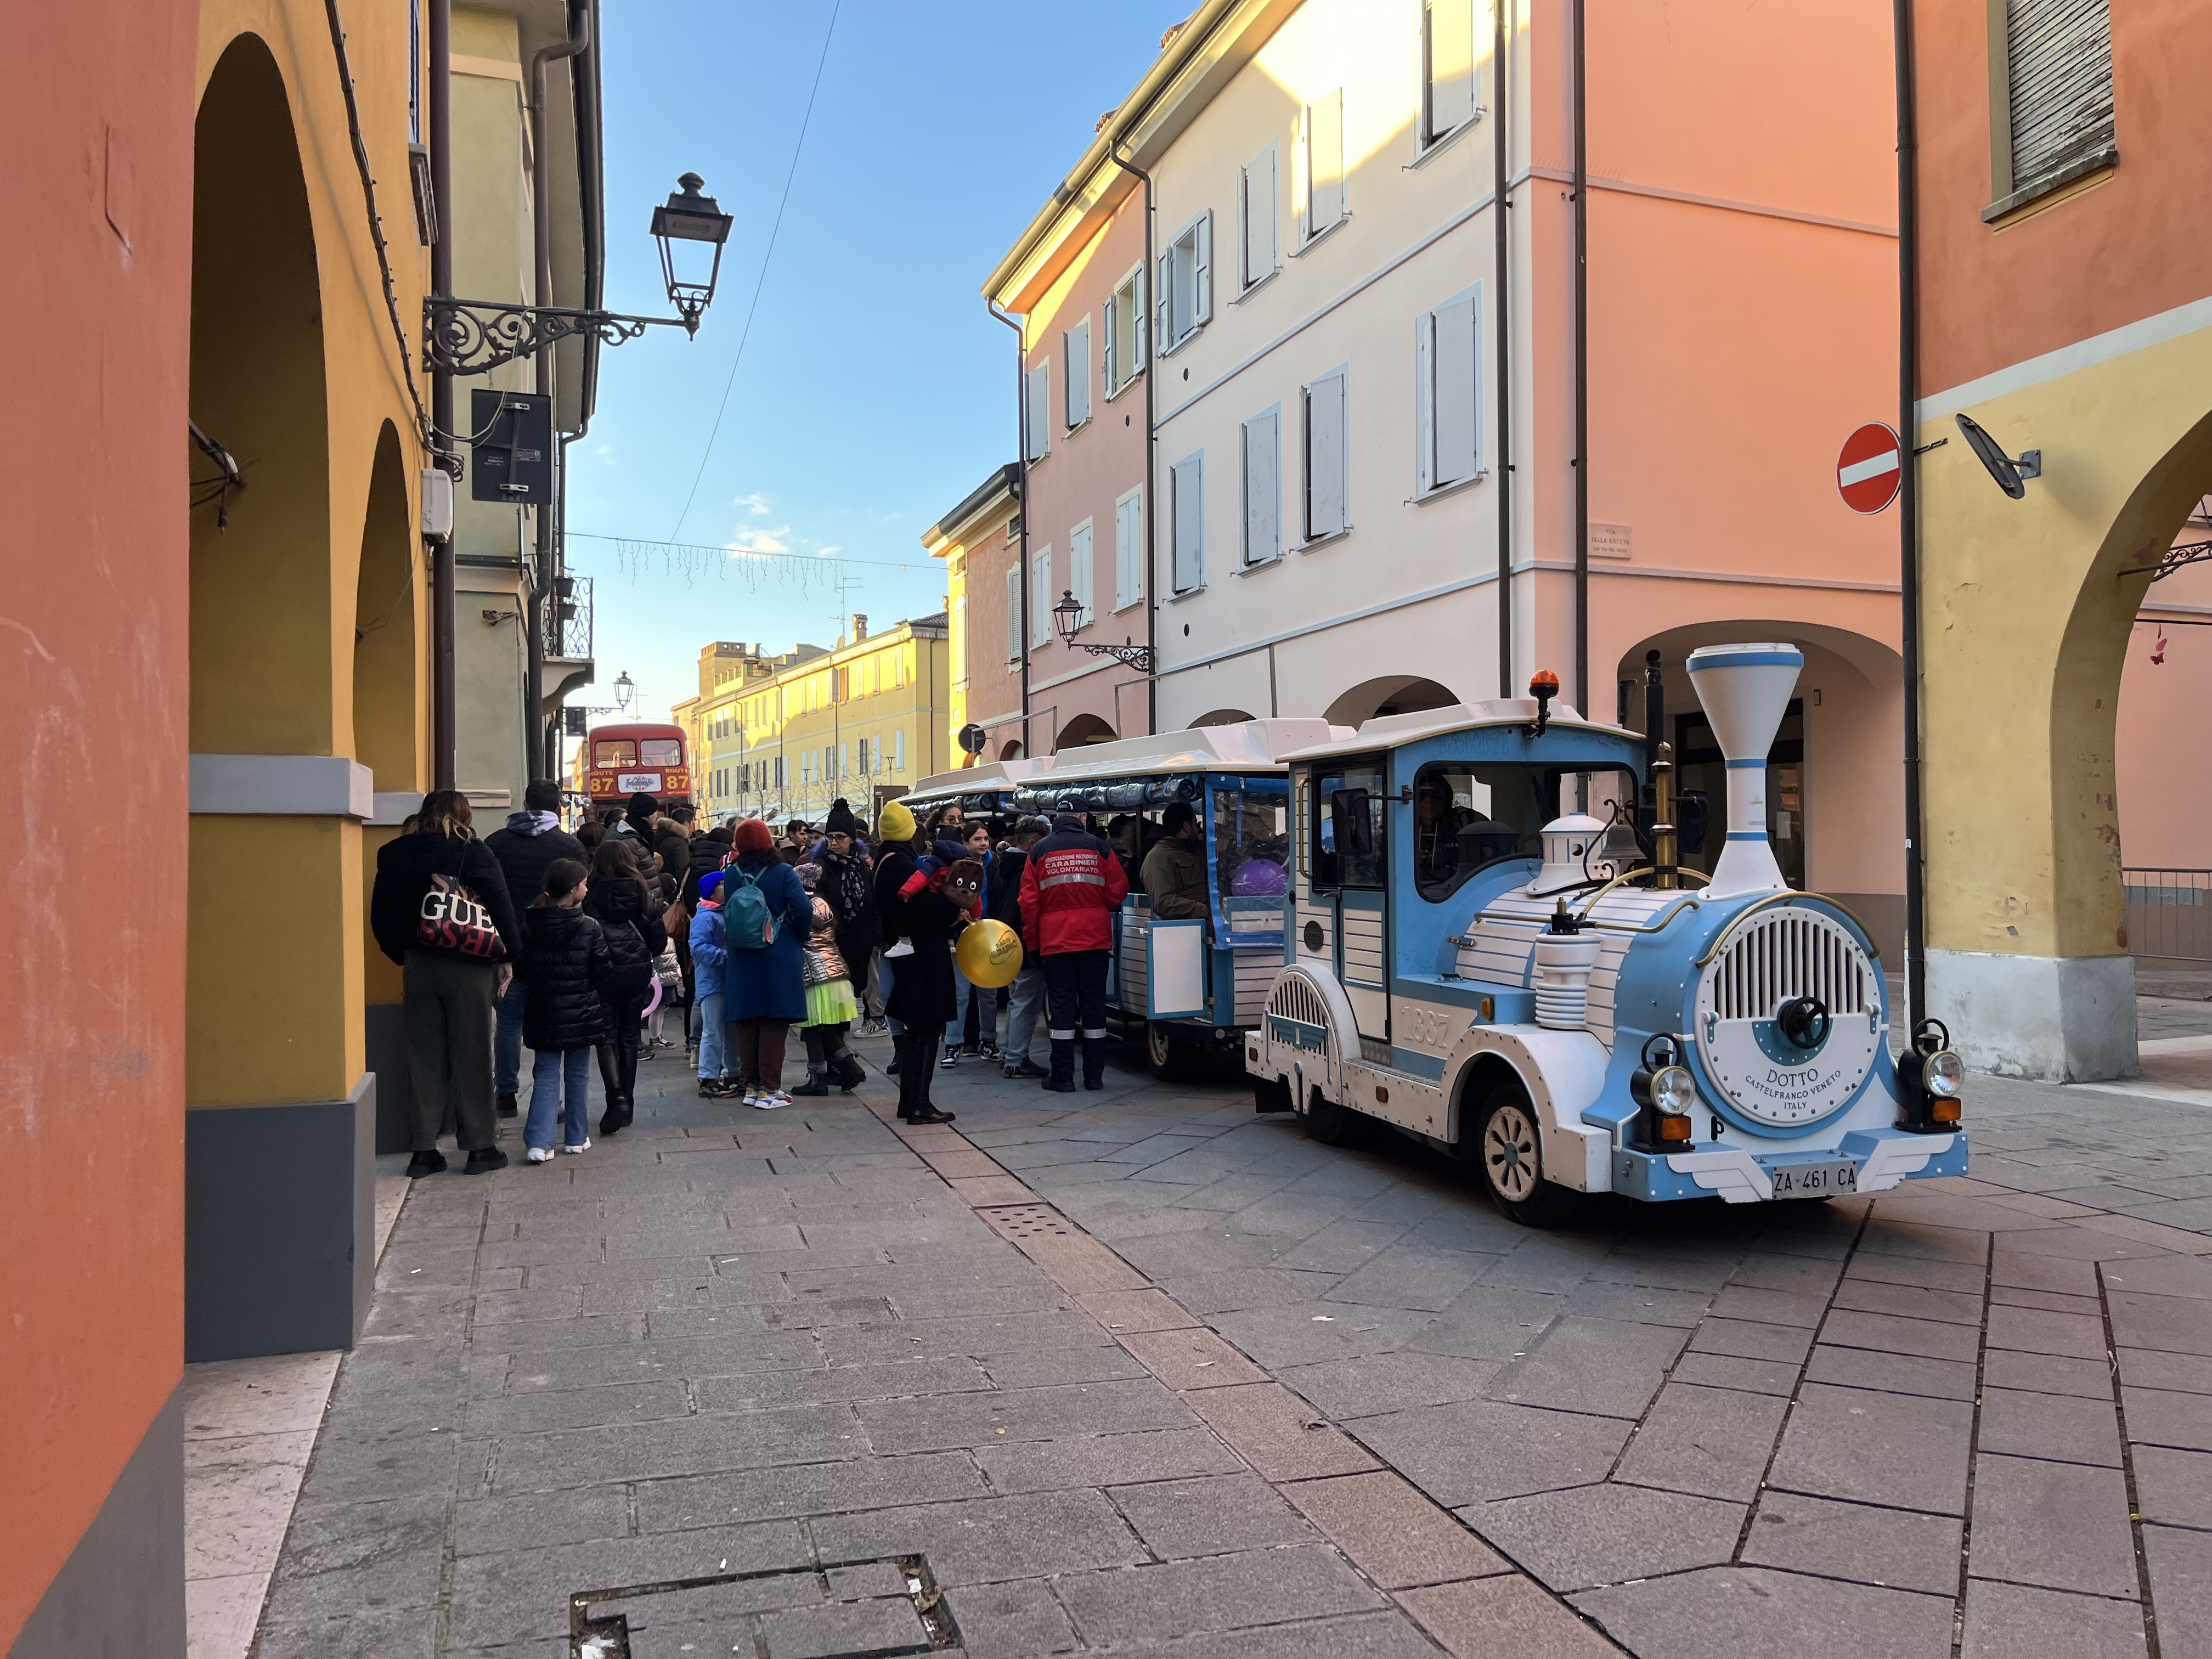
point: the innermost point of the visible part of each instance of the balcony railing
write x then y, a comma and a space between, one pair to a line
2169, 914
568, 618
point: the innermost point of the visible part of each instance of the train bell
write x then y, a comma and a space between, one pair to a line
990, 953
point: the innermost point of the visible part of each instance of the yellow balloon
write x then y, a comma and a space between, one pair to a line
990, 954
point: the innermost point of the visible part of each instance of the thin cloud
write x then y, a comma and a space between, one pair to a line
754, 503
824, 552
760, 541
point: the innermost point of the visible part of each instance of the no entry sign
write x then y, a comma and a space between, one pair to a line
1870, 468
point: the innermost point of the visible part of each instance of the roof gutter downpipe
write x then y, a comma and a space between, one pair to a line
1021, 497
1501, 75
1143, 323
442, 699
1908, 523
591, 189
539, 739
1582, 367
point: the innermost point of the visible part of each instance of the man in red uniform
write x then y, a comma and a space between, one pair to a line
1071, 888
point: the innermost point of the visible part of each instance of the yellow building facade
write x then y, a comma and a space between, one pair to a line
982, 689
864, 721
310, 666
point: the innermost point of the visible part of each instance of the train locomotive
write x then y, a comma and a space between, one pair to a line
1490, 952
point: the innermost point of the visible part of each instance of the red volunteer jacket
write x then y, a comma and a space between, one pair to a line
1071, 888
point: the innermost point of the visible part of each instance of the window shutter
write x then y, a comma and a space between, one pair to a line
1079, 373
1042, 598
1449, 45
1201, 308
1109, 352
1140, 333
1256, 207
2059, 61
1040, 411
1129, 550
1166, 334
898, 751
1078, 570
1187, 485
1425, 402
1325, 459
1455, 418
1013, 613
1262, 489
1325, 163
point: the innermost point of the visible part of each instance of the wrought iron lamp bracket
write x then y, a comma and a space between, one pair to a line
474, 337
1139, 657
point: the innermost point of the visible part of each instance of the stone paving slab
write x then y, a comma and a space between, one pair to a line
1260, 1396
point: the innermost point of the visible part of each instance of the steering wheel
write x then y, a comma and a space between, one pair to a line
1805, 1021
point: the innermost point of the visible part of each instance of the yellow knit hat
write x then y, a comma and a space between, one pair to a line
895, 823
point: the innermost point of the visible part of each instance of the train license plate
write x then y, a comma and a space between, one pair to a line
1815, 1180
632, 783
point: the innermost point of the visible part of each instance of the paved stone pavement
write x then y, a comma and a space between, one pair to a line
1141, 1372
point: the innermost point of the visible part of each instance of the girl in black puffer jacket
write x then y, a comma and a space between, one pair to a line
565, 960
628, 910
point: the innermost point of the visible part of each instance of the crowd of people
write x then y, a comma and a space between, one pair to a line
578, 945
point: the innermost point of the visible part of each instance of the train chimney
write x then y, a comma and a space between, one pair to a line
1745, 690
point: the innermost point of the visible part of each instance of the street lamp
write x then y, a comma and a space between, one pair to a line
625, 688
474, 337
1067, 616
690, 217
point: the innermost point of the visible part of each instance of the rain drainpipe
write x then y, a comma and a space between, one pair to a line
1581, 373
1908, 508
1151, 308
442, 725
1021, 499
534, 591
1501, 73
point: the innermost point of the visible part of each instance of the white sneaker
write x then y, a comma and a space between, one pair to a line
541, 1154
769, 1103
903, 948
585, 1147
752, 1097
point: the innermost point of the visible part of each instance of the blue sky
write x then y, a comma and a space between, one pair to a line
875, 391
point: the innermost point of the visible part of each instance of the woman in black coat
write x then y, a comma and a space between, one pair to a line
629, 910
451, 986
565, 961
922, 992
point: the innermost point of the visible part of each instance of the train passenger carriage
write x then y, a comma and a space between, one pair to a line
1493, 949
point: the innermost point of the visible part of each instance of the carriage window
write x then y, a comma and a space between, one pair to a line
661, 751
1252, 842
1333, 793
622, 753
1467, 816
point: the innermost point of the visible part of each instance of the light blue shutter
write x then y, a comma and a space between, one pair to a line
1039, 411
1109, 345
1186, 487
1128, 550
1455, 390
1079, 569
1262, 490
1078, 345
1202, 270
1041, 607
1166, 334
1325, 457
1013, 612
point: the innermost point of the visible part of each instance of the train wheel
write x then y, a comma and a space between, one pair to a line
1169, 1055
1511, 1151
1328, 1122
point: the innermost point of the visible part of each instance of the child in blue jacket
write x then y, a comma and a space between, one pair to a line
709, 953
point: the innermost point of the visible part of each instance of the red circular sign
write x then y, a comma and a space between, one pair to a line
1870, 468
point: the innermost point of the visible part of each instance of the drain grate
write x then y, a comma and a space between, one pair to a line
882, 1608
1019, 1221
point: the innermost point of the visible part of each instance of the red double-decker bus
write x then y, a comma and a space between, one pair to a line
621, 760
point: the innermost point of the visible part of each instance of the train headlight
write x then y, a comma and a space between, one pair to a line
1666, 1091
1931, 1079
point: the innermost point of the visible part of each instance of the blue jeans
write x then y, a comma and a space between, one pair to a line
507, 1042
711, 1049
887, 976
1022, 1013
964, 991
559, 1073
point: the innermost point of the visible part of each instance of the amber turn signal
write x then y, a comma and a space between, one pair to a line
1675, 1129
1940, 1111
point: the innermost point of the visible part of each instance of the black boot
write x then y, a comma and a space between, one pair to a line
898, 1057
847, 1071
426, 1164
1094, 1061
1060, 1080
817, 1080
617, 1117
507, 1105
